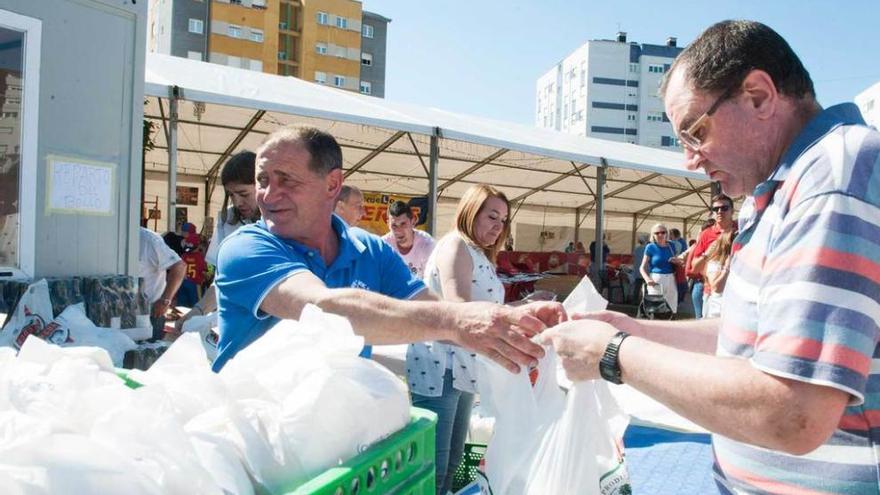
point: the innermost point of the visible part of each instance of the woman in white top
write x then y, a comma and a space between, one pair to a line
462, 268
715, 272
239, 184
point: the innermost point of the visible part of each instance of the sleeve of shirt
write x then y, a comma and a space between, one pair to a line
165, 257
818, 298
250, 264
396, 279
214, 245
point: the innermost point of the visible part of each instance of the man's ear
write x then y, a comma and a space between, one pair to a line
334, 183
761, 92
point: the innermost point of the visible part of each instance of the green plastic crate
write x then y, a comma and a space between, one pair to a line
402, 464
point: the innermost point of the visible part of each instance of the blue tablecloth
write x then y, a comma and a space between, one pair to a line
662, 462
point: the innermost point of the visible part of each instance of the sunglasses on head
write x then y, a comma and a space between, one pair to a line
719, 209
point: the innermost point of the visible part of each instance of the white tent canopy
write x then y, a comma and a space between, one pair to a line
387, 148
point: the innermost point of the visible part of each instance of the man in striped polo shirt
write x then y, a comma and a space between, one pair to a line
788, 379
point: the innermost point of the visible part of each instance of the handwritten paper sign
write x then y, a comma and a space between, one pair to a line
80, 187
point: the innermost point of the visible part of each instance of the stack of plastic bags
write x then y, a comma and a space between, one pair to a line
294, 403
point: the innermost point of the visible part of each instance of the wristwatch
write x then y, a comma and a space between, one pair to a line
609, 365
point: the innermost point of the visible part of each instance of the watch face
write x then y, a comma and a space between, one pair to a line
609, 372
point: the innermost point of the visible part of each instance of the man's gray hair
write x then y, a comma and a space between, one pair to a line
346, 192
325, 153
723, 55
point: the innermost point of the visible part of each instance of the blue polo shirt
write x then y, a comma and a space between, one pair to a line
252, 261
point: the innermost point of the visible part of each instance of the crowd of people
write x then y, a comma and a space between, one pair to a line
782, 369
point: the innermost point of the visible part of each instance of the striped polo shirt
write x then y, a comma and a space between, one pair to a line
803, 302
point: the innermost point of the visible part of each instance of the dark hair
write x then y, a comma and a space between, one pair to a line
398, 208
239, 169
345, 192
722, 197
673, 232
708, 223
726, 52
325, 153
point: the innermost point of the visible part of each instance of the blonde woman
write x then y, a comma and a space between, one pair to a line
462, 268
715, 273
658, 266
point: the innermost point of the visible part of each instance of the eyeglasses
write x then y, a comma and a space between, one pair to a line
688, 136
661, 232
719, 209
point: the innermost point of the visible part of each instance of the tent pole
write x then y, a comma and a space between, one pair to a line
600, 216
432, 181
172, 157
577, 225
632, 241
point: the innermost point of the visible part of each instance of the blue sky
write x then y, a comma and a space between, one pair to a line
482, 57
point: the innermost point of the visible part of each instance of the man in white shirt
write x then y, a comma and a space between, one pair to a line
414, 246
163, 272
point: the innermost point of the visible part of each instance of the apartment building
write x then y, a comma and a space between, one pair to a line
333, 42
608, 89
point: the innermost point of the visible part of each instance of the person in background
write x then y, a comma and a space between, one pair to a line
579, 247
638, 257
239, 208
606, 251
721, 210
715, 272
461, 269
680, 246
658, 266
413, 245
350, 205
787, 380
163, 272
570, 247
696, 278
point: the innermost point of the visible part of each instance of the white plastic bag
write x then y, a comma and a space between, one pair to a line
206, 327
31, 317
547, 441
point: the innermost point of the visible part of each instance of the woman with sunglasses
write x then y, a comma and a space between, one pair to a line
658, 266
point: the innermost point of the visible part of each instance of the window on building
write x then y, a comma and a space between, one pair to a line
631, 117
669, 141
634, 68
255, 65
20, 61
233, 61
235, 2
233, 31
323, 18
341, 51
341, 22
282, 25
655, 116
258, 4
194, 55
321, 48
656, 69
282, 55
366, 88
366, 59
256, 35
197, 26
320, 77
367, 31
339, 81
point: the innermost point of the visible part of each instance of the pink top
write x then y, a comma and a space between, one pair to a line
416, 258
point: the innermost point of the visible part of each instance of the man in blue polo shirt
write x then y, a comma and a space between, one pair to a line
301, 253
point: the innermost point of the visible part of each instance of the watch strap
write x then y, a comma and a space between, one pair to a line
609, 365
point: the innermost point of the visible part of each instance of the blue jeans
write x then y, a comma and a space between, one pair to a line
453, 409
697, 297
